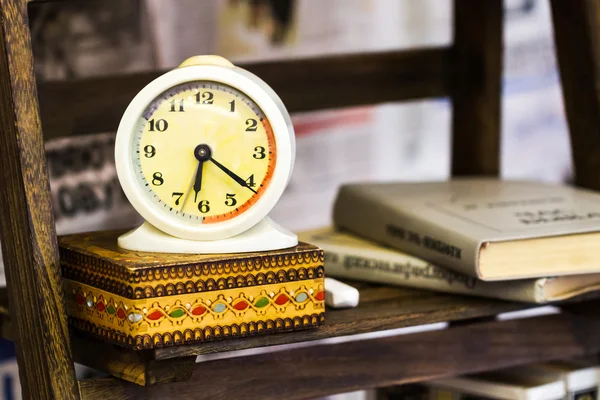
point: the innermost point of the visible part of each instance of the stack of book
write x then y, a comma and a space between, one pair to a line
569, 380
515, 240
577, 379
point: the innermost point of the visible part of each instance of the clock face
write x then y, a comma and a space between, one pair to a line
204, 152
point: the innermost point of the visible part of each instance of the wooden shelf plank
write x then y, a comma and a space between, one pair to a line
133, 366
29, 246
316, 371
477, 88
380, 308
97, 104
576, 25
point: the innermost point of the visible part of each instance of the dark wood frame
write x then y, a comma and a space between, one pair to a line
468, 72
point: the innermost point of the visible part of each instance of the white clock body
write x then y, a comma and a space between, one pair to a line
165, 225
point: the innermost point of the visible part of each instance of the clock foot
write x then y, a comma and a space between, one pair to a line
264, 236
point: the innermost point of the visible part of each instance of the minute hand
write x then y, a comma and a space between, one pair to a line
231, 174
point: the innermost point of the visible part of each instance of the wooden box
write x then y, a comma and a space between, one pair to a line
145, 300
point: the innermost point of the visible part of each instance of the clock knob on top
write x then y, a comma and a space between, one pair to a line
203, 153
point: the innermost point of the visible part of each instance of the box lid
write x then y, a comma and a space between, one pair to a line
93, 258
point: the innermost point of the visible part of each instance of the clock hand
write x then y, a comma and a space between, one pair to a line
202, 153
187, 193
198, 181
231, 174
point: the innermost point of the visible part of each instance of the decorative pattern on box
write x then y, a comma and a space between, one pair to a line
146, 300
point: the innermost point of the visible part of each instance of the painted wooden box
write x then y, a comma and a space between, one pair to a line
145, 300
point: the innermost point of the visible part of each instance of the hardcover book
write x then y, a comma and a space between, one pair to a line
486, 228
581, 377
351, 257
506, 385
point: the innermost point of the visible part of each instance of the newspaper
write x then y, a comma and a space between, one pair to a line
398, 141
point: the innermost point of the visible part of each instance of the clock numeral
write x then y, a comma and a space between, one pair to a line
161, 125
260, 153
157, 179
251, 124
203, 206
250, 181
232, 106
205, 98
230, 199
173, 106
178, 194
149, 151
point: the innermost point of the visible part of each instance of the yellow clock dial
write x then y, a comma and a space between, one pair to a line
205, 152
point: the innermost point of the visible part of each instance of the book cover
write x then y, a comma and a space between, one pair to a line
581, 377
487, 228
504, 385
352, 257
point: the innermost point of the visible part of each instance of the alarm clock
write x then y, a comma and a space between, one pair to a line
203, 153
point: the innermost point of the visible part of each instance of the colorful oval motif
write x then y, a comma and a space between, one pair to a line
79, 298
121, 313
301, 297
177, 313
134, 317
89, 301
241, 305
100, 306
281, 299
199, 310
320, 296
154, 315
262, 302
110, 310
219, 307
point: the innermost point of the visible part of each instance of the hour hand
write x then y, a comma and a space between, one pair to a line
198, 181
202, 153
234, 176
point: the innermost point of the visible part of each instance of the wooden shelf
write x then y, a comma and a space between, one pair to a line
340, 357
474, 341
381, 308
321, 370
97, 104
468, 71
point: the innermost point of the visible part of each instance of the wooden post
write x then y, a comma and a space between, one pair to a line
27, 227
577, 38
476, 90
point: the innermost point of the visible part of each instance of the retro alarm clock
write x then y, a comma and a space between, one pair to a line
203, 153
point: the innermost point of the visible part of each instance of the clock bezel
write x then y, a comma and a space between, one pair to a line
264, 97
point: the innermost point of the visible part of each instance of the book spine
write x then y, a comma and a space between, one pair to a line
355, 211
406, 271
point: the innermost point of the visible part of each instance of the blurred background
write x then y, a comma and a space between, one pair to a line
397, 141
408, 141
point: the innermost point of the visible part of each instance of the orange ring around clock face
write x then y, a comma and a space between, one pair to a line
226, 124
272, 155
